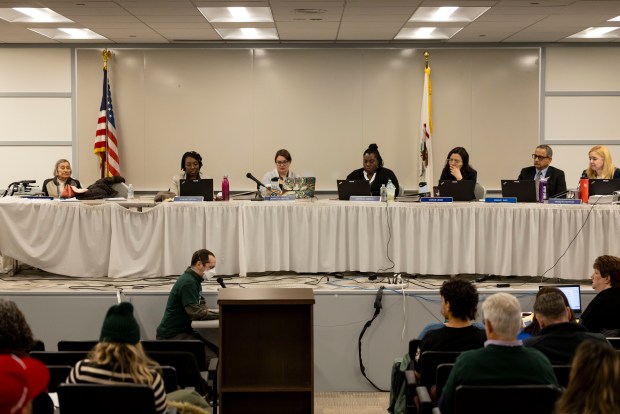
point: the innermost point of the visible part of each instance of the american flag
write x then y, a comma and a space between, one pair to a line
106, 144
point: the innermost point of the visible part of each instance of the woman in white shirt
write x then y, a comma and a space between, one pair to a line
283, 163
191, 163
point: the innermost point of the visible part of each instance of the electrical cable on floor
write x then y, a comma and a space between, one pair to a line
377, 307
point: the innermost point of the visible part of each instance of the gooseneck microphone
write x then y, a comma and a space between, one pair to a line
221, 281
256, 180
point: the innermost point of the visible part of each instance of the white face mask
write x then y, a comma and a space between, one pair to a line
208, 274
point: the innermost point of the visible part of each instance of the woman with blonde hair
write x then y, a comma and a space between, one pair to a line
601, 165
594, 381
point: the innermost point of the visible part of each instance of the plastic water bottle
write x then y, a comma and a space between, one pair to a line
383, 193
130, 193
391, 191
542, 190
225, 189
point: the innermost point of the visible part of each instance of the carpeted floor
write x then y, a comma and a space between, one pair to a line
351, 402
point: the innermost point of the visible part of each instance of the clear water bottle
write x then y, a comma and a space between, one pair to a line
21, 189
383, 193
542, 190
130, 193
391, 191
225, 188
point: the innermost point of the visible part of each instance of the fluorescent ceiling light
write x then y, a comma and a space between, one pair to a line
69, 33
236, 14
427, 33
447, 14
32, 15
615, 19
247, 33
596, 33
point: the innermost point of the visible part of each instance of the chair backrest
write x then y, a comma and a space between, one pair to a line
105, 399
188, 374
59, 357
507, 399
429, 361
58, 375
195, 347
443, 372
479, 191
38, 345
169, 375
87, 345
562, 372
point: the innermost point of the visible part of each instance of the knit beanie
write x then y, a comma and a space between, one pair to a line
120, 325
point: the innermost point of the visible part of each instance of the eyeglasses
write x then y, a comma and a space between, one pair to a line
539, 157
282, 162
453, 161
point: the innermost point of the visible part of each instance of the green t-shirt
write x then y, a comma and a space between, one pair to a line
186, 291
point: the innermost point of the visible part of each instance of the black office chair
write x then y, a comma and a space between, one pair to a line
195, 347
38, 345
443, 372
169, 375
562, 372
58, 357
65, 345
105, 399
188, 374
429, 361
58, 375
507, 399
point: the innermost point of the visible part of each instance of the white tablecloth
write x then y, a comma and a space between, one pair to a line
324, 236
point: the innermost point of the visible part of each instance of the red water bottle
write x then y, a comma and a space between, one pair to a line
584, 188
225, 189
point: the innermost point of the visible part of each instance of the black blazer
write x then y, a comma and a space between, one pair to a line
383, 175
556, 182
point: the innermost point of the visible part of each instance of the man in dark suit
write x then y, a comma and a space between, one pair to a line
556, 183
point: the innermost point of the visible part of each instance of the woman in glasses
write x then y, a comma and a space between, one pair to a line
457, 166
283, 164
601, 165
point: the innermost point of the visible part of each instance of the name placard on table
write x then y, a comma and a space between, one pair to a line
512, 200
280, 198
564, 201
365, 198
188, 198
436, 199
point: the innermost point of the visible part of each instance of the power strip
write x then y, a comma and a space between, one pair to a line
397, 286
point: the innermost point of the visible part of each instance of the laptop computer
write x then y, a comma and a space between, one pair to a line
599, 186
572, 293
301, 187
459, 190
523, 190
348, 188
202, 187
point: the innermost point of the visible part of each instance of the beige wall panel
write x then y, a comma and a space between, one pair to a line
35, 70
35, 119
30, 163
585, 118
582, 69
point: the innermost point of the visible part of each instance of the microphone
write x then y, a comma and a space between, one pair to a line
256, 180
221, 281
28, 181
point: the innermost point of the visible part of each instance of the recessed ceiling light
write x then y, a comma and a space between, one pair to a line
32, 15
68, 33
444, 13
236, 14
615, 19
427, 33
447, 14
247, 33
596, 33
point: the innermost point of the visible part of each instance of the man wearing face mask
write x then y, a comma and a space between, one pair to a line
186, 304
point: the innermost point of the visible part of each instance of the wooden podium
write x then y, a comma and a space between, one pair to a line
266, 351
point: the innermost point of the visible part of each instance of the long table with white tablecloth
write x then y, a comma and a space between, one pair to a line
77, 239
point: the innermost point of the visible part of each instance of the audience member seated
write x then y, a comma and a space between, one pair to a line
119, 357
21, 379
283, 161
600, 165
54, 187
374, 172
457, 166
533, 328
603, 314
459, 302
16, 339
503, 360
559, 338
556, 182
191, 163
594, 381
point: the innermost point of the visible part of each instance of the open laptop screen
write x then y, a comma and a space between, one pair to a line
523, 190
348, 188
602, 186
202, 187
573, 294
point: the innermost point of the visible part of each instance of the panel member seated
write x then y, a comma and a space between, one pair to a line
457, 166
374, 172
559, 338
603, 313
601, 165
556, 182
191, 163
53, 187
283, 164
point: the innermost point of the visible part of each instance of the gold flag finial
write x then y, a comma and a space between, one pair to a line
106, 55
426, 55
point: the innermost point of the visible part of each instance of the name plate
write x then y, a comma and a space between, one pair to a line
280, 198
365, 198
436, 199
512, 200
188, 198
38, 197
564, 201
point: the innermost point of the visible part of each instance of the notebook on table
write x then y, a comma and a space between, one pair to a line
523, 190
197, 188
459, 190
300, 187
598, 186
348, 188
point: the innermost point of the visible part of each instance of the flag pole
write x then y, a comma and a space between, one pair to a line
106, 54
426, 55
